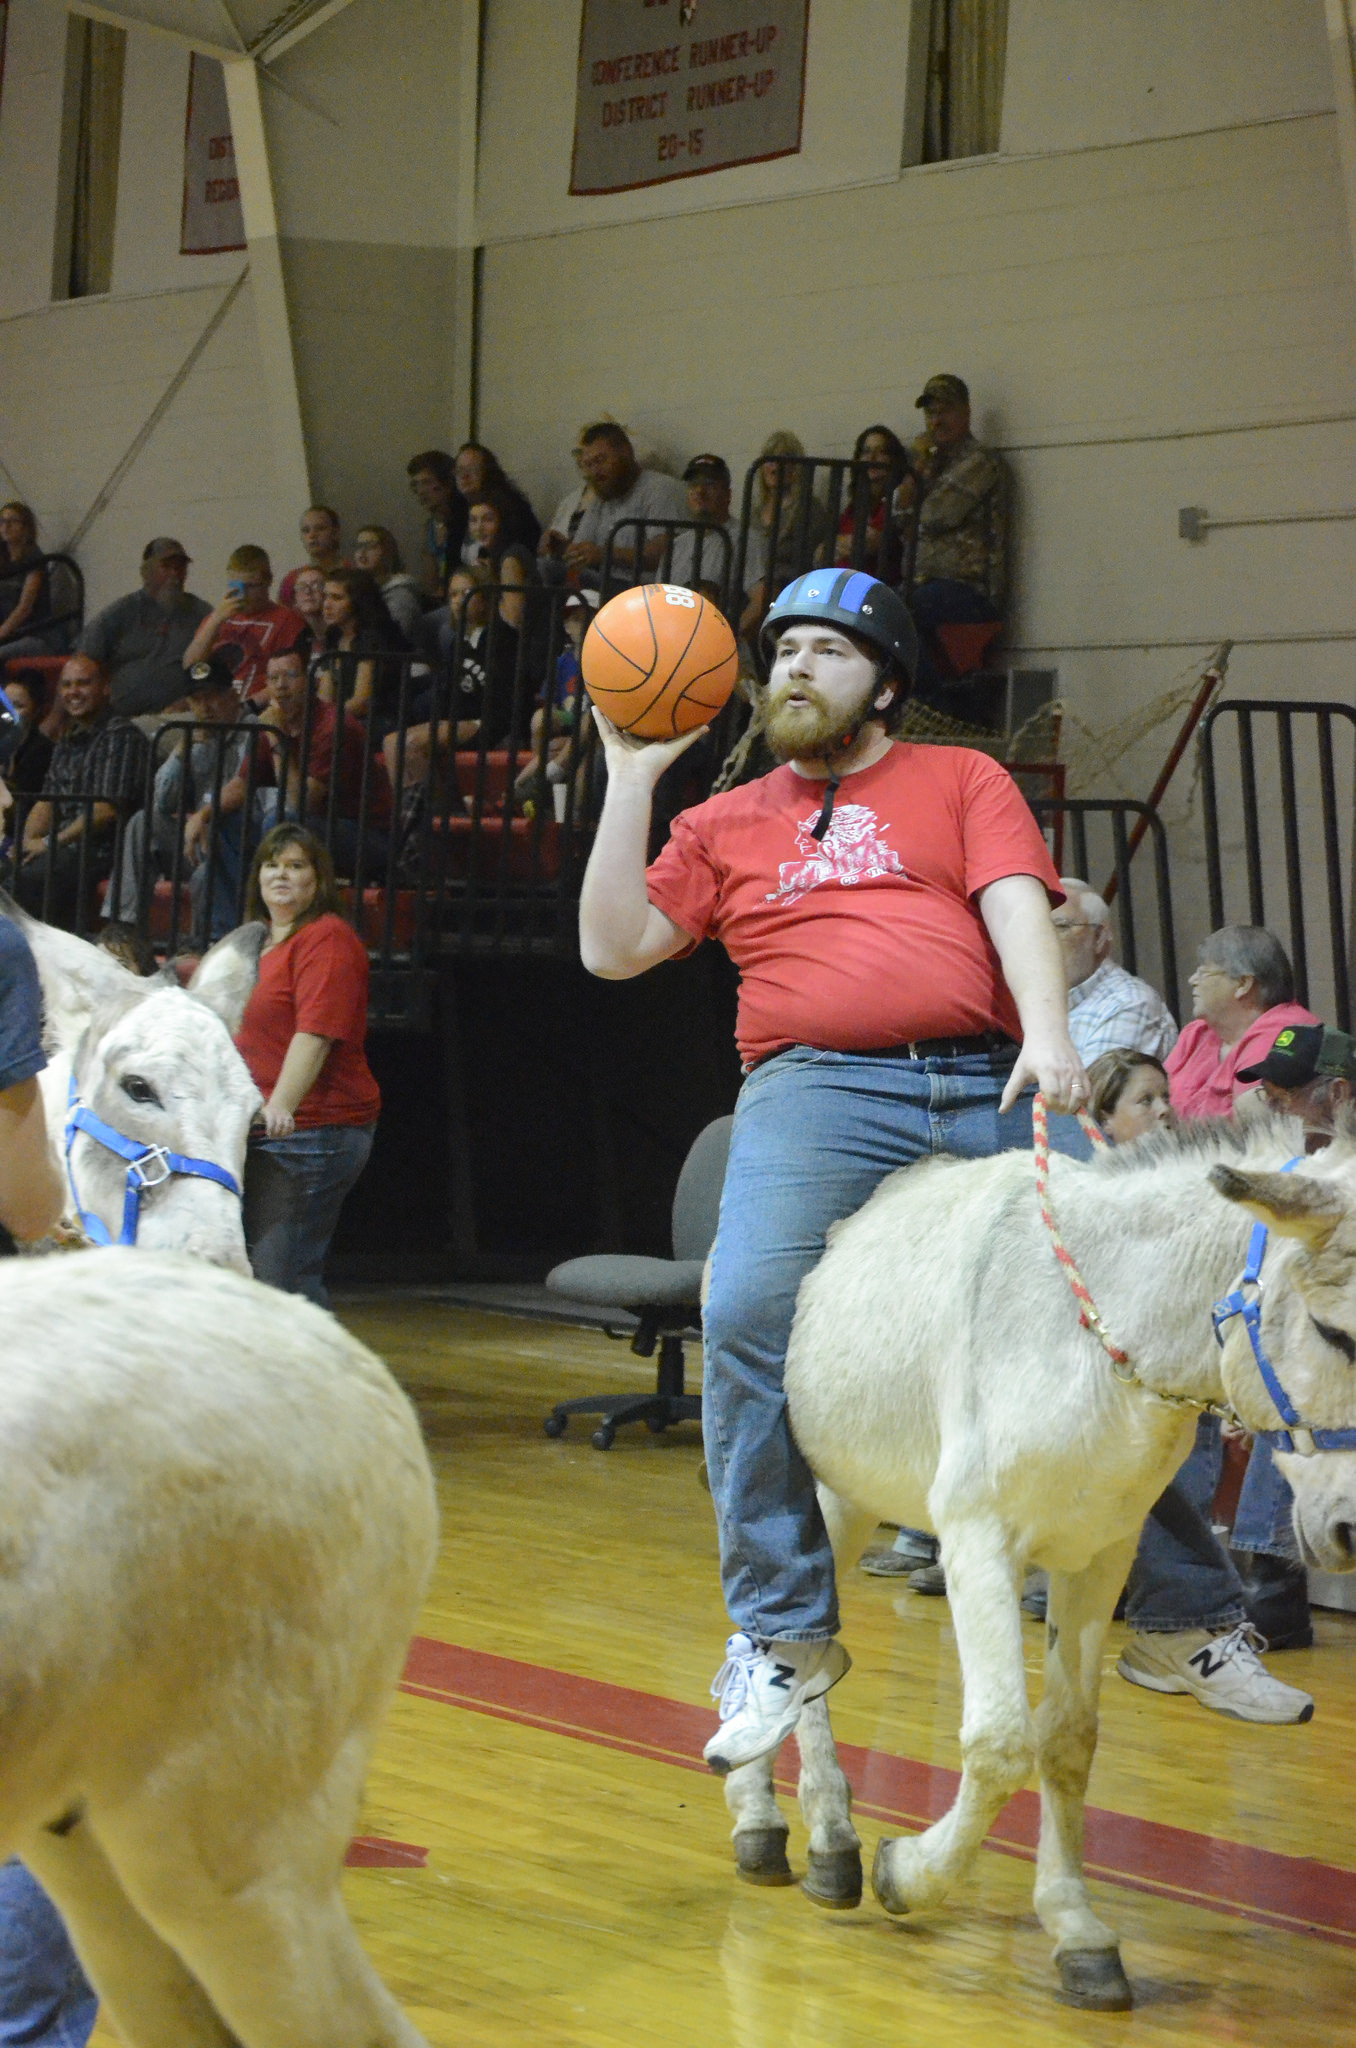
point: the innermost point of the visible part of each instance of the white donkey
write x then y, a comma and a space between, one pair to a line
216, 1523
939, 1376
155, 1066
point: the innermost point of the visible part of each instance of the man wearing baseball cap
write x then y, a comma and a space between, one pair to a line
958, 493
700, 557
1310, 1072
141, 638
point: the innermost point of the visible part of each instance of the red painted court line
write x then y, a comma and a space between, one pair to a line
1290, 1892
378, 1852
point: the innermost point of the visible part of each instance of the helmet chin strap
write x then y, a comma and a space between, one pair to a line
844, 747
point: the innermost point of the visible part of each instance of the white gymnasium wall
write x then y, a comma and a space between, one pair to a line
1146, 324
79, 379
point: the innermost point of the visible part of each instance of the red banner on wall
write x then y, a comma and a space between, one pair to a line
675, 88
212, 219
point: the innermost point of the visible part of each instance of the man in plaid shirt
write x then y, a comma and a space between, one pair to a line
1108, 1008
96, 777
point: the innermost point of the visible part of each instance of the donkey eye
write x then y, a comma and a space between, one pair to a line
138, 1090
1339, 1339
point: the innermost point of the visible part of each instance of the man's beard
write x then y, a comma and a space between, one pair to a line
810, 731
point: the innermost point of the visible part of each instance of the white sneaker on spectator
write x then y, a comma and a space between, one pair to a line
1223, 1672
761, 1690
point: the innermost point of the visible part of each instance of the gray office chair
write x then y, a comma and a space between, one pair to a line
663, 1294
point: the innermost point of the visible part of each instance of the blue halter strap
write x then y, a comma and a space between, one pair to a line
148, 1166
1298, 1436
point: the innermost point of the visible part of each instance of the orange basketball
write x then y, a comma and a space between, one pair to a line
658, 660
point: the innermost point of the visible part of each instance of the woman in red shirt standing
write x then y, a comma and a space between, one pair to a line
302, 1039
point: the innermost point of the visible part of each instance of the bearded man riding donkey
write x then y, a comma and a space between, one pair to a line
890, 1010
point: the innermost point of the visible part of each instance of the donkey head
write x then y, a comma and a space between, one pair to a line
1308, 1332
156, 1063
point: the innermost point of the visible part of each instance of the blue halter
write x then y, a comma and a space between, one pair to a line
148, 1166
1298, 1437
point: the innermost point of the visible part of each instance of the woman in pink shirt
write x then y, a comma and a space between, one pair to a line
1244, 994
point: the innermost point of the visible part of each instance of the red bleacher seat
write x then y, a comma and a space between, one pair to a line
966, 647
496, 775
371, 922
521, 863
49, 665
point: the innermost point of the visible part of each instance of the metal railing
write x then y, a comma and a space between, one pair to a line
1077, 851
1291, 850
809, 499
712, 558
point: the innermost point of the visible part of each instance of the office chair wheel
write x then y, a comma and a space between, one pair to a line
602, 1436
556, 1425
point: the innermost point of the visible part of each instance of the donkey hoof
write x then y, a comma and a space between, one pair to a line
884, 1879
833, 1878
760, 1856
1094, 1979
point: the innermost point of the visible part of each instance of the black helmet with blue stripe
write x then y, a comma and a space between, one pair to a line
853, 602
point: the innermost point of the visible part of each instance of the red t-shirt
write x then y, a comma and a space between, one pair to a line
873, 937
320, 767
1200, 1083
260, 636
315, 981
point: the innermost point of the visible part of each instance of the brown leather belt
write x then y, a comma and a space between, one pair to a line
943, 1048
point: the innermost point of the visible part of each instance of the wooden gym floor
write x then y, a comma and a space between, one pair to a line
544, 1859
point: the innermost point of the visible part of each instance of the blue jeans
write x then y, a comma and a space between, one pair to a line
294, 1190
814, 1135
1183, 1577
46, 2000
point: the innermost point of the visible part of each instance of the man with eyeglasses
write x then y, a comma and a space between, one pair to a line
1109, 1008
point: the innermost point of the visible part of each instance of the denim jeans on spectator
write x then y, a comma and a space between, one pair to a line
1182, 1577
46, 2001
294, 1190
814, 1135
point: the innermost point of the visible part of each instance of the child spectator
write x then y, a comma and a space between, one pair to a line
378, 552
247, 619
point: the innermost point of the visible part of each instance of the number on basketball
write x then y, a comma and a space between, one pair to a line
675, 594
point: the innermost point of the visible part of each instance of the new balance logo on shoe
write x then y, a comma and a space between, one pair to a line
1208, 1660
784, 1676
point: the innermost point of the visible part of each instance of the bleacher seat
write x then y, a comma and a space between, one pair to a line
966, 647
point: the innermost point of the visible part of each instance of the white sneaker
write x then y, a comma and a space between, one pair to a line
761, 1692
1223, 1672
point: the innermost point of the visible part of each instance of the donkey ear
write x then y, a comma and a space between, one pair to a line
77, 978
227, 973
1291, 1204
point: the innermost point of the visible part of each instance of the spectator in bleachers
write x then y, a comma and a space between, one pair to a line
788, 527
308, 598
25, 748
128, 948
476, 689
622, 490
1108, 1007
958, 494
480, 474
358, 624
24, 596
576, 501
1243, 994
181, 798
523, 604
247, 619
869, 507
377, 550
433, 479
142, 639
96, 776
707, 478
322, 538
334, 752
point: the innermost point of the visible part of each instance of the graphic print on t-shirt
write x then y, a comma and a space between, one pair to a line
852, 850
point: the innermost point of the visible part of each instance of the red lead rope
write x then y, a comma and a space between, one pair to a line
1089, 1316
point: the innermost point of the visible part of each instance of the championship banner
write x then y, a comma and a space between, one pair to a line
212, 219
676, 88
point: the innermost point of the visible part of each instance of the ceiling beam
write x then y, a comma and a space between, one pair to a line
273, 45
126, 17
